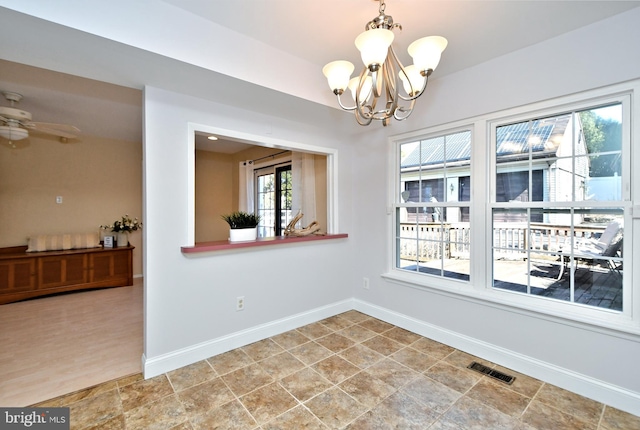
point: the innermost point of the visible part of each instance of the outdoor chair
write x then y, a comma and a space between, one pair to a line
608, 245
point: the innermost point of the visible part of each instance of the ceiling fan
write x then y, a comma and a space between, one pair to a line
16, 123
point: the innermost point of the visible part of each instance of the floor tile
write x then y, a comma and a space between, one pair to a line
247, 379
376, 325
469, 414
543, 417
402, 336
401, 411
266, 403
95, 409
432, 348
191, 375
335, 342
586, 409
262, 349
281, 365
361, 356
615, 419
336, 323
383, 345
335, 369
305, 384
230, 416
290, 339
393, 373
230, 361
314, 330
523, 384
310, 352
453, 377
335, 408
367, 389
462, 360
432, 394
205, 396
357, 333
165, 413
499, 397
413, 359
115, 423
298, 418
354, 316
145, 391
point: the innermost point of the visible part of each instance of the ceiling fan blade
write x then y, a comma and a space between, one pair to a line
60, 130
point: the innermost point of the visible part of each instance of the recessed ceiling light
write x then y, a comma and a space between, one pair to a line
212, 137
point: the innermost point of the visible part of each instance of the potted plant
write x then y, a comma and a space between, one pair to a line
122, 228
243, 226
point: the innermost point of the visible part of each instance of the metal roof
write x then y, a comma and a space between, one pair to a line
539, 136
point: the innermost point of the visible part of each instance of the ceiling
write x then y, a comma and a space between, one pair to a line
300, 37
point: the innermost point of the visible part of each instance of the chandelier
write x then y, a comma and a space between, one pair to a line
383, 74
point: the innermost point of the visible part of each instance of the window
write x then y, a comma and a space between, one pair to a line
433, 228
273, 199
558, 216
549, 226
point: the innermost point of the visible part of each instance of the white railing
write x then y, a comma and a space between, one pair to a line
426, 241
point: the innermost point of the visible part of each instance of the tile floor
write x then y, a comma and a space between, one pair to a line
349, 371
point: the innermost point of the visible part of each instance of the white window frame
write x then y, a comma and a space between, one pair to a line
483, 166
435, 175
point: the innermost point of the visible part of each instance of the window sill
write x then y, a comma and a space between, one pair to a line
225, 245
599, 320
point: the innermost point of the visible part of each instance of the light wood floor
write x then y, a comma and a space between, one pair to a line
56, 345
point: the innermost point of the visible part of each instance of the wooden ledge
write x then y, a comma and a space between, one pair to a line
225, 245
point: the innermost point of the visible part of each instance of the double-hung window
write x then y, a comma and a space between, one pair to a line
433, 230
558, 208
547, 226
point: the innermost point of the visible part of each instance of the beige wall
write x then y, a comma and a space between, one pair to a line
100, 180
217, 189
213, 194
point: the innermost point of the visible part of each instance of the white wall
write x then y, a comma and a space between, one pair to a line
190, 300
600, 364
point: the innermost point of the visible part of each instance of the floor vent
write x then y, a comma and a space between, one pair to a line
496, 374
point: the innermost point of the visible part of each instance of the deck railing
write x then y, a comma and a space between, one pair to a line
429, 240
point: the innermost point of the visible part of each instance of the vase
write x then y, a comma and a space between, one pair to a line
122, 238
243, 234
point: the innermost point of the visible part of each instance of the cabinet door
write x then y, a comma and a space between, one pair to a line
62, 270
17, 275
101, 266
110, 266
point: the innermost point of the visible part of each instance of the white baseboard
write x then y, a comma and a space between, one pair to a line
608, 394
158, 365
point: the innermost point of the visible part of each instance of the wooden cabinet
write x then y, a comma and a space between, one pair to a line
25, 275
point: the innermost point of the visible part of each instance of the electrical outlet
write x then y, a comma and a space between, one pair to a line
240, 303
59, 200
365, 283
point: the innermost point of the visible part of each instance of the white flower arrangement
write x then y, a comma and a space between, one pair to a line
126, 225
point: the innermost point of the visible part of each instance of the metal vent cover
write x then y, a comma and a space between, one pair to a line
496, 374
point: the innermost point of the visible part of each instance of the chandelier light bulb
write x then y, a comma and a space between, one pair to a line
374, 45
426, 52
413, 81
338, 74
365, 91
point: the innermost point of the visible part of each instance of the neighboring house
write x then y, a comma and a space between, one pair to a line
542, 143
